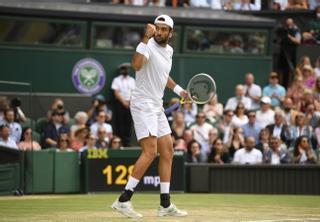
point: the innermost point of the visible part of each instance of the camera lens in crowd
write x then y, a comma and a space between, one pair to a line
15, 102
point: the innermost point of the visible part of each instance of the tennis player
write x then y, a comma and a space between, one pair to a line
152, 62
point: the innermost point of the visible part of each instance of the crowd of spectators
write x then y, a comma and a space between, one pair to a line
259, 124
246, 5
97, 127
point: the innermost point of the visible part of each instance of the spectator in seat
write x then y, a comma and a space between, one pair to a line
308, 98
80, 137
190, 111
249, 154
236, 141
64, 143
303, 153
263, 144
296, 92
301, 128
115, 143
274, 90
304, 60
187, 136
201, 131
194, 154
252, 91
26, 142
180, 145
213, 110
213, 135
309, 78
103, 140
90, 142
98, 104
5, 139
54, 129
265, 115
225, 126
246, 5
312, 115
101, 122
239, 118
178, 125
15, 128
252, 128
276, 155
239, 97
289, 111
280, 128
81, 119
58, 105
218, 154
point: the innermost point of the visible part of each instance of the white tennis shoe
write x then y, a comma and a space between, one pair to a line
172, 210
126, 209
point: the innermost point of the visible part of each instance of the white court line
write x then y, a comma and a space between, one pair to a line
293, 219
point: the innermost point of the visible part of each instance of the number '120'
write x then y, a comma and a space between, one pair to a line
122, 171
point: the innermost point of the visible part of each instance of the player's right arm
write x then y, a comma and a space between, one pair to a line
141, 55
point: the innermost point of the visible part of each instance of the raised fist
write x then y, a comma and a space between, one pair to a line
150, 30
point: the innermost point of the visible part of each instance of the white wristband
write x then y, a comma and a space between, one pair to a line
142, 49
177, 89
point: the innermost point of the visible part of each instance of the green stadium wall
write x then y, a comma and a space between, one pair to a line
49, 70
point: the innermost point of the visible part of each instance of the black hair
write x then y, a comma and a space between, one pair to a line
297, 144
23, 132
190, 144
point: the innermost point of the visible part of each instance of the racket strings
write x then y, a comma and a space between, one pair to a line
201, 88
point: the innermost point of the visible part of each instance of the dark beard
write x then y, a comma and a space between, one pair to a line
162, 41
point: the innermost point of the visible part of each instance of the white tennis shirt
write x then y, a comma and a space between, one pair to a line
152, 78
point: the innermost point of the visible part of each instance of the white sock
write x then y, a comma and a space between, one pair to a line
164, 187
132, 183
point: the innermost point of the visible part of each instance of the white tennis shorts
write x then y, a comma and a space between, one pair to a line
149, 120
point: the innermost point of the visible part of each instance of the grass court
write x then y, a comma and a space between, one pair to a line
201, 207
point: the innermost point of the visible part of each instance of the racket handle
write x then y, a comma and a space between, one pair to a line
172, 108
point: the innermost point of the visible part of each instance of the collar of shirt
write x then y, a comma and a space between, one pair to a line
124, 76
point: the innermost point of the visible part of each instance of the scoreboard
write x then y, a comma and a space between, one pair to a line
109, 170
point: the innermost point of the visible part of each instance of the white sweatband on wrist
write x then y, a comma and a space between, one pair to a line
177, 90
143, 49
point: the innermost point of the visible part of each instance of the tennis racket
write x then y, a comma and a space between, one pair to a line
201, 88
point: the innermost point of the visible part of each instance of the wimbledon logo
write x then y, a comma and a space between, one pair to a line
88, 76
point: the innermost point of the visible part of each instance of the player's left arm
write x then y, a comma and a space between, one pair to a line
171, 84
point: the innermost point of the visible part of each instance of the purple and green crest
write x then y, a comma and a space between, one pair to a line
88, 76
